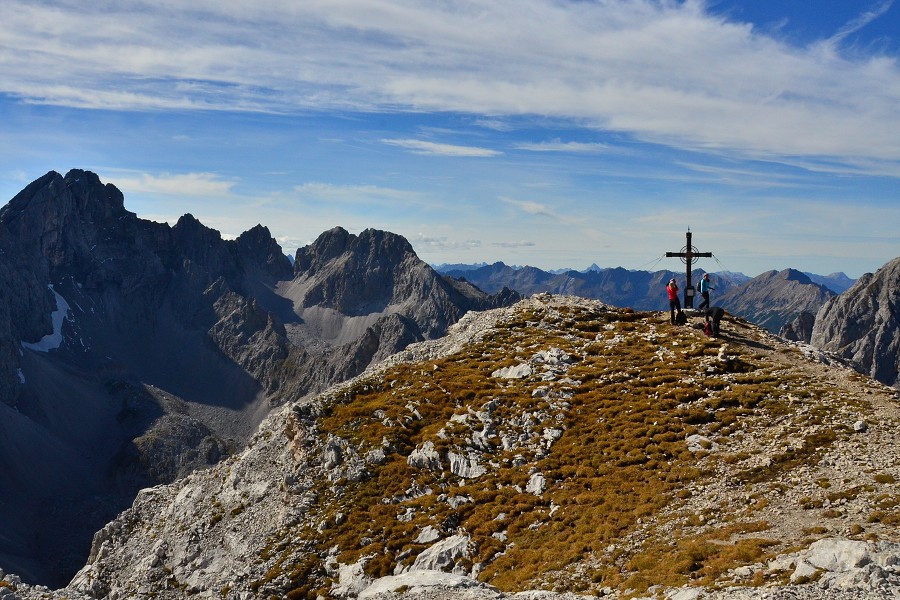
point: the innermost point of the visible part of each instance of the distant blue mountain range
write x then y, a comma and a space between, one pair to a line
644, 290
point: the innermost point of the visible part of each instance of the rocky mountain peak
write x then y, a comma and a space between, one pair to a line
189, 231
795, 275
257, 245
360, 274
378, 241
329, 245
775, 298
371, 249
785, 275
863, 324
59, 218
132, 352
560, 444
80, 193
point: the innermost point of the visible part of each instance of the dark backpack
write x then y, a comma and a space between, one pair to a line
680, 318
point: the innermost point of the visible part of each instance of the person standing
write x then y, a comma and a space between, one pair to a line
674, 302
704, 291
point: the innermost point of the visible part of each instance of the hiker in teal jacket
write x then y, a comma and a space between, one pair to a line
704, 291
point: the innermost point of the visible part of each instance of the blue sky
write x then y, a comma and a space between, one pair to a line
553, 133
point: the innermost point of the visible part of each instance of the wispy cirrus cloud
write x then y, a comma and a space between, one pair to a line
514, 244
560, 146
444, 243
174, 184
356, 194
529, 206
860, 21
437, 149
674, 73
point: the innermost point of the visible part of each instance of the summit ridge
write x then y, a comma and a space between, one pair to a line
561, 445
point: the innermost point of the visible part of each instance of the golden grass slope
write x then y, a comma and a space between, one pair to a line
605, 419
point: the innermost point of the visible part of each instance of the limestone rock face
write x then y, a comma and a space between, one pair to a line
127, 346
775, 298
800, 329
378, 272
863, 324
401, 484
132, 352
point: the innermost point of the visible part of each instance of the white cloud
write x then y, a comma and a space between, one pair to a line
514, 244
560, 146
435, 149
359, 194
443, 243
528, 206
184, 184
660, 70
495, 124
860, 21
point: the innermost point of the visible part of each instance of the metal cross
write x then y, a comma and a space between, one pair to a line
687, 255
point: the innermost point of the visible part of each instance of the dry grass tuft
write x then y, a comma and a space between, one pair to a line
608, 436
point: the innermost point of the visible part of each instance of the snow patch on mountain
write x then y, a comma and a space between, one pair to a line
51, 341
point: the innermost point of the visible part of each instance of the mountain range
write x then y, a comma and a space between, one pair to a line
190, 378
772, 299
134, 352
560, 445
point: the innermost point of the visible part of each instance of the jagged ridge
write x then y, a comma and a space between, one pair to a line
775, 298
563, 444
133, 352
863, 324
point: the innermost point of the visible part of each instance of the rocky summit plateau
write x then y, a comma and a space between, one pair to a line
558, 448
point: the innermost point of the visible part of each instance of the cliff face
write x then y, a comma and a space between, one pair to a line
558, 444
112, 375
378, 272
775, 298
863, 324
132, 352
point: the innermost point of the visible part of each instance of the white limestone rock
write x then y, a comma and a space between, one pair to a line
418, 583
425, 457
536, 485
351, 579
698, 443
515, 372
332, 456
465, 465
443, 555
838, 554
427, 535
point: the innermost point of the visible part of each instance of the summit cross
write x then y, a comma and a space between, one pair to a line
687, 255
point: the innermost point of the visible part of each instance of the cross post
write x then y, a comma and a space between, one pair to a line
688, 254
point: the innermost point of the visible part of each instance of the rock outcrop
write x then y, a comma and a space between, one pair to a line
800, 329
775, 298
132, 352
629, 457
863, 324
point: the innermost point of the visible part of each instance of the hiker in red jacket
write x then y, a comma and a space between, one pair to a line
674, 302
